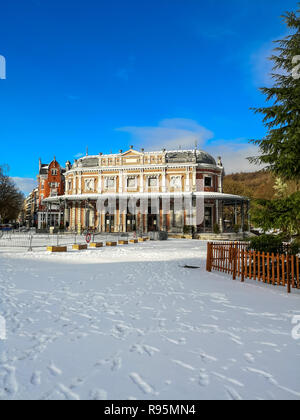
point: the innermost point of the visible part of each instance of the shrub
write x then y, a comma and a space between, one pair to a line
295, 247
236, 228
267, 243
216, 229
245, 227
187, 230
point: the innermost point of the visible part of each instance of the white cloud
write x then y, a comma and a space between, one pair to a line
170, 134
78, 155
234, 155
26, 185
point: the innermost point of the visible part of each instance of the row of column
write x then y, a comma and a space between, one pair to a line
85, 216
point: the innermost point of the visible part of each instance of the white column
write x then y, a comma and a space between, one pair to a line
194, 180
92, 217
220, 186
79, 213
120, 182
80, 184
142, 182
100, 183
187, 181
163, 181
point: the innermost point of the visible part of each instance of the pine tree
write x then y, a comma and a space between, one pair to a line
280, 149
281, 188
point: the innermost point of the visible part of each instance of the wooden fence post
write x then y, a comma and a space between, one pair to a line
288, 273
243, 266
209, 257
235, 256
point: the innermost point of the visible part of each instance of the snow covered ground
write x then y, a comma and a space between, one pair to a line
132, 323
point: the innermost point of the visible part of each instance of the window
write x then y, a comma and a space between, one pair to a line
131, 183
175, 182
110, 183
152, 182
53, 171
89, 184
208, 181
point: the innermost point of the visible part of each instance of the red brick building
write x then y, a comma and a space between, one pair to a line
51, 183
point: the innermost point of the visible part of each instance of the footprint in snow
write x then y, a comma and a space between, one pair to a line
142, 384
232, 394
36, 378
98, 395
54, 370
10, 381
204, 379
249, 357
67, 393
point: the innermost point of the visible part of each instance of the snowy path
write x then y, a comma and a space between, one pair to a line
131, 323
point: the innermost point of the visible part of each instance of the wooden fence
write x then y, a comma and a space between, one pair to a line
236, 259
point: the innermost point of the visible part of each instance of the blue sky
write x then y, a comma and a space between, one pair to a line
159, 73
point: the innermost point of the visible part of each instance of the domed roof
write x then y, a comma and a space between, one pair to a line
185, 156
204, 157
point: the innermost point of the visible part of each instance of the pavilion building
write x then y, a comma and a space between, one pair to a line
148, 177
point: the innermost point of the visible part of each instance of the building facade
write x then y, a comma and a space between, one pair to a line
147, 191
28, 216
51, 184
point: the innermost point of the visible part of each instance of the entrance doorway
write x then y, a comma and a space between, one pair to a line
131, 222
208, 219
152, 223
109, 223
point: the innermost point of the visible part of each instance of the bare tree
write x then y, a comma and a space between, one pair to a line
11, 199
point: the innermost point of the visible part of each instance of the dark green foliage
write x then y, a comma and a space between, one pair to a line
274, 244
187, 230
295, 247
282, 214
267, 243
216, 229
280, 149
236, 228
245, 227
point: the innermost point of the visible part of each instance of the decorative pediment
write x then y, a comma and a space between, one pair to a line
132, 153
